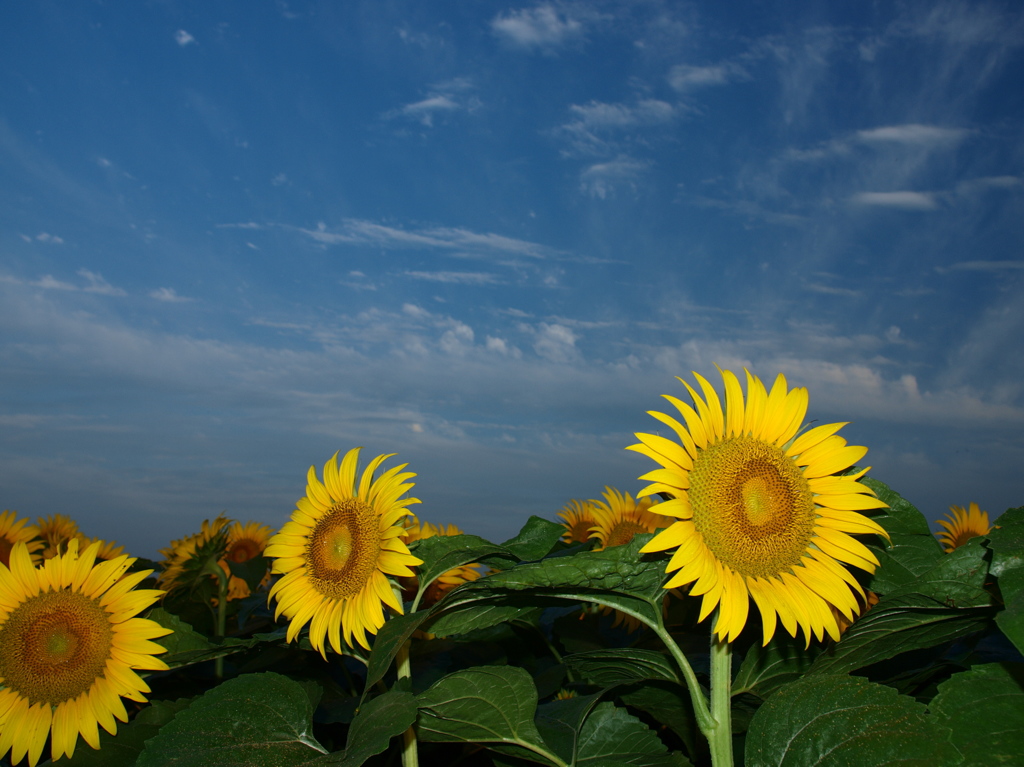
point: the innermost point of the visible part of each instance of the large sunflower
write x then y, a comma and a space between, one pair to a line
14, 530
760, 510
68, 643
962, 526
618, 518
336, 553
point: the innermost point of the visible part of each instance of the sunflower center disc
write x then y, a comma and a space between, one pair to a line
343, 549
752, 505
623, 533
54, 646
243, 550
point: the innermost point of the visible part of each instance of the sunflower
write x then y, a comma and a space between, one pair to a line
14, 530
55, 531
181, 551
618, 518
245, 542
336, 553
963, 526
760, 511
69, 642
108, 549
579, 521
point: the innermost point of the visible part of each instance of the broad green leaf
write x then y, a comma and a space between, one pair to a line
903, 560
186, 647
830, 721
669, 704
256, 720
559, 722
897, 625
618, 577
765, 669
376, 723
1007, 541
622, 666
487, 704
472, 616
389, 640
535, 540
957, 579
1011, 619
441, 553
123, 749
984, 709
612, 736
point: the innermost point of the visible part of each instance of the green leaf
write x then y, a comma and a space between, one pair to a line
486, 704
1007, 541
252, 571
905, 559
186, 647
389, 640
559, 722
984, 709
535, 540
376, 723
622, 666
897, 625
1011, 619
441, 553
618, 577
669, 704
765, 669
957, 579
123, 749
471, 616
256, 720
612, 736
842, 720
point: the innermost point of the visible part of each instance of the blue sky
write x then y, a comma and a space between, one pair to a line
236, 237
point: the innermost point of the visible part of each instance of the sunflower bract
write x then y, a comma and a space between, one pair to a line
336, 553
760, 509
69, 644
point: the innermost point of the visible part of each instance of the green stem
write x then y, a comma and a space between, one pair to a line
222, 617
410, 750
720, 737
700, 704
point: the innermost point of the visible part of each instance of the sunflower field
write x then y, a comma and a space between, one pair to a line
759, 600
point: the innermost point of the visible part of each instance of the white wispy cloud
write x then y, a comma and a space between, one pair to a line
542, 27
448, 97
901, 200
453, 239
168, 295
456, 278
599, 128
602, 179
914, 134
183, 38
687, 77
982, 266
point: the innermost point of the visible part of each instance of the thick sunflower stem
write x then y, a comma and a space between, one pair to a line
705, 721
720, 736
410, 749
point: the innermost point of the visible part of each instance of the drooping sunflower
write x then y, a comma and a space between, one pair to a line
245, 542
69, 641
579, 521
761, 510
55, 531
181, 551
14, 530
618, 518
962, 526
336, 553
